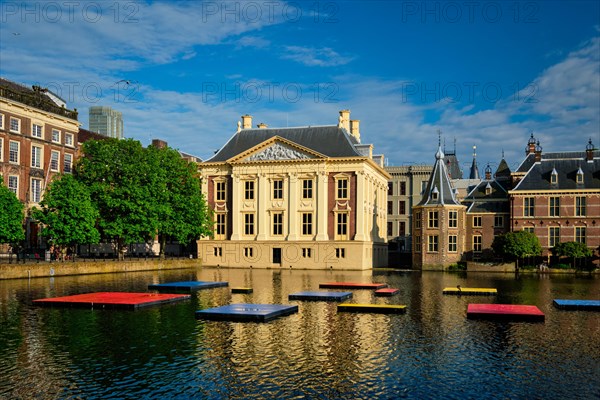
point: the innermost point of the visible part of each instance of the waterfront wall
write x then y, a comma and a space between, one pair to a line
48, 269
490, 267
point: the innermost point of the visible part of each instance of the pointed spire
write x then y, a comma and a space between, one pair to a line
474, 174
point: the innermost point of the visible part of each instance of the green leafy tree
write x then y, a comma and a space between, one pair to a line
517, 245
121, 183
179, 205
67, 213
572, 250
11, 217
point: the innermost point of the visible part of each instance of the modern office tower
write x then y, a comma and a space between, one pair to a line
106, 121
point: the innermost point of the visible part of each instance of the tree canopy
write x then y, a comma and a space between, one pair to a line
11, 216
515, 245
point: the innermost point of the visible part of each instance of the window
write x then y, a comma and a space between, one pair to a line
220, 226
340, 252
13, 184
342, 225
452, 219
249, 190
1, 148
307, 223
248, 224
54, 160
15, 125
342, 189
477, 243
498, 221
36, 131
452, 241
432, 243
432, 221
248, 252
55, 135
390, 188
529, 207
477, 222
306, 252
218, 251
1, 121
417, 220
580, 234
68, 139
307, 189
529, 229
278, 223
13, 152
580, 177
221, 191
553, 236
36, 190
390, 228
402, 188
401, 207
278, 189
401, 228
36, 157
580, 202
390, 207
554, 177
554, 206
417, 244
68, 163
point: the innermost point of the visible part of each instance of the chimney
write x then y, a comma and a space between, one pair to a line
354, 129
246, 121
530, 149
159, 144
345, 120
262, 125
589, 151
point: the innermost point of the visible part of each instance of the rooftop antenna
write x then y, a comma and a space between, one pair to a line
439, 132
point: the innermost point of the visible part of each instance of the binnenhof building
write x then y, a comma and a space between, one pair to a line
310, 197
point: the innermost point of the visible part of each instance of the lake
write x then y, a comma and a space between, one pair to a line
432, 351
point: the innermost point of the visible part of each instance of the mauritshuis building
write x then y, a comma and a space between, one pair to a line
302, 197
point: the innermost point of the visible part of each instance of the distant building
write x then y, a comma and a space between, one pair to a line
310, 197
106, 121
38, 139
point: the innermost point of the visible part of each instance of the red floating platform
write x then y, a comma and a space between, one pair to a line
386, 292
122, 300
513, 312
352, 285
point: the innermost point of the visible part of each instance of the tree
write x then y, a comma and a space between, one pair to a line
11, 217
572, 250
67, 213
121, 185
181, 210
517, 245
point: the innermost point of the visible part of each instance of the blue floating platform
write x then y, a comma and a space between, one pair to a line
563, 304
246, 312
320, 296
186, 286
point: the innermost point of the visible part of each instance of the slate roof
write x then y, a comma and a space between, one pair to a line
479, 201
453, 166
331, 141
539, 176
439, 184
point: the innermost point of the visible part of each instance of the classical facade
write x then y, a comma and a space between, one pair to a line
306, 197
38, 139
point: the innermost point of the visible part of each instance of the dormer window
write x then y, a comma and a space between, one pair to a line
579, 176
435, 193
554, 177
488, 189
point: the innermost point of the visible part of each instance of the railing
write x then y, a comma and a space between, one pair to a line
37, 100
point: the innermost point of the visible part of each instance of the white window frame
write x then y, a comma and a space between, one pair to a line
40, 134
307, 188
220, 226
477, 243
307, 224
581, 234
10, 125
69, 139
1, 149
36, 190
553, 236
68, 163
55, 161
452, 243
342, 188
452, 219
1, 121
11, 152
55, 136
220, 192
278, 189
433, 243
13, 184
277, 223
37, 155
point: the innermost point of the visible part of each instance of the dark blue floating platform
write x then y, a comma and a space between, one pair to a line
241, 290
320, 296
246, 312
577, 304
186, 286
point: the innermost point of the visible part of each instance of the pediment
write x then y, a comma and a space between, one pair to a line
277, 149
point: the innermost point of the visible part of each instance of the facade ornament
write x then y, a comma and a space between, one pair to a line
278, 152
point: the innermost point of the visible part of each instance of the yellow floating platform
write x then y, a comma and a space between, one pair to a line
470, 291
373, 308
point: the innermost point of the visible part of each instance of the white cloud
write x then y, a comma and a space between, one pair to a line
315, 57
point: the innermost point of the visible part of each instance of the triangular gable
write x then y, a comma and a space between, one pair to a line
276, 148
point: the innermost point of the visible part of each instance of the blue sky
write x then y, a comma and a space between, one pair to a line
485, 73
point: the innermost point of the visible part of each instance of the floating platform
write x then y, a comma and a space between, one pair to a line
241, 290
593, 305
470, 291
321, 296
386, 292
187, 287
246, 312
352, 285
512, 312
373, 308
115, 300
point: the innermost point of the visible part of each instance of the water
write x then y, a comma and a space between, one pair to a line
432, 351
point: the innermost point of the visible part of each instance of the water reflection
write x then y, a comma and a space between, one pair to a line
432, 351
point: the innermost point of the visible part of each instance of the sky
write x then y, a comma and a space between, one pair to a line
483, 73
